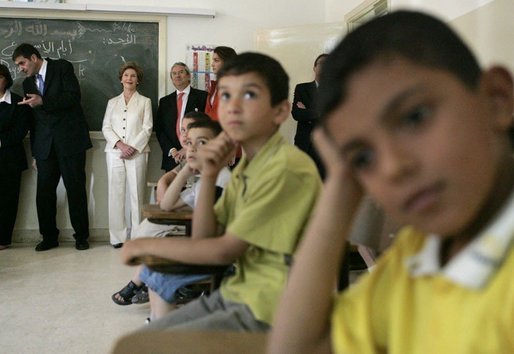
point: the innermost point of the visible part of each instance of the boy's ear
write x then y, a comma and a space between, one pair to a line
498, 86
282, 111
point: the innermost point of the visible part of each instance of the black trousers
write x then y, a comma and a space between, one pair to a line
72, 170
9, 196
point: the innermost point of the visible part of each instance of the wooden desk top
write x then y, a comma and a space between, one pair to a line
164, 265
153, 211
192, 342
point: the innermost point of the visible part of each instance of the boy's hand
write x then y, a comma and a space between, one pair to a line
216, 154
132, 249
337, 170
329, 153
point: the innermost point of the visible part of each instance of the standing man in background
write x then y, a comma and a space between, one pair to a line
170, 112
305, 113
59, 142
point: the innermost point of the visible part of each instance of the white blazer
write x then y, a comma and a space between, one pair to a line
132, 123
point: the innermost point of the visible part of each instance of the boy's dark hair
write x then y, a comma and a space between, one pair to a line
415, 36
266, 67
225, 53
131, 65
196, 115
25, 50
4, 71
210, 124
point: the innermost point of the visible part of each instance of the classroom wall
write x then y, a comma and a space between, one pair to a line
296, 48
294, 32
235, 24
489, 31
447, 10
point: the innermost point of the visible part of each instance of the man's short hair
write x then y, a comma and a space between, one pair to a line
415, 36
179, 63
266, 67
25, 50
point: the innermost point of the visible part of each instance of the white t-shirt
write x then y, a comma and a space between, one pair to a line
190, 195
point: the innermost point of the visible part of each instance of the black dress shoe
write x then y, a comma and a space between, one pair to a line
82, 245
118, 245
45, 246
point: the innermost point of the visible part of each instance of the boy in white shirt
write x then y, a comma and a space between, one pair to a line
177, 195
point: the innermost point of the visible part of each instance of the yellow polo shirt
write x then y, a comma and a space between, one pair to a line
267, 203
409, 304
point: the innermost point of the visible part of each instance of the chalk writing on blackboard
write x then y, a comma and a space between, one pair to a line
96, 49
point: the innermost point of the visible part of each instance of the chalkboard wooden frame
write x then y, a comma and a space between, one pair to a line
85, 16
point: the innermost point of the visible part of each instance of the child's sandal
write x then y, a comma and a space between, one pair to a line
141, 296
124, 296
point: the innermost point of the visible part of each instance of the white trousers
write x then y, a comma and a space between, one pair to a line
125, 176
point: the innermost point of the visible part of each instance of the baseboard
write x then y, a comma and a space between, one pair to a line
32, 236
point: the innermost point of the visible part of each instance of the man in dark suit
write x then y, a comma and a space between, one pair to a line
168, 115
305, 113
59, 142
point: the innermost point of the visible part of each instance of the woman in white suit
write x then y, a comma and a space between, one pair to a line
127, 127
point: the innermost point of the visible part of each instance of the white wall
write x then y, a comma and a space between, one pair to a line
235, 24
489, 31
296, 48
336, 9
447, 10
294, 31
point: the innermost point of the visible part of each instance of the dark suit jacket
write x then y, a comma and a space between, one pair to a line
166, 122
60, 120
306, 118
15, 122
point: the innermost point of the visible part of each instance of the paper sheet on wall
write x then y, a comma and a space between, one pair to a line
199, 60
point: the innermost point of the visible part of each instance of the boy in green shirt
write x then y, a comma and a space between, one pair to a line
261, 215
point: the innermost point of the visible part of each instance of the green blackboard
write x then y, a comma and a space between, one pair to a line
96, 49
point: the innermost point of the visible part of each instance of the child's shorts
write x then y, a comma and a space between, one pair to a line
166, 285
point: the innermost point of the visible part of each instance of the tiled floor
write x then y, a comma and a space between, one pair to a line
59, 301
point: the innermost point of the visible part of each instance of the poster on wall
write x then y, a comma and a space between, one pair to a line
199, 59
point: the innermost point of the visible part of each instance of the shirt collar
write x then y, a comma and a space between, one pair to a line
185, 91
474, 266
42, 70
6, 97
254, 167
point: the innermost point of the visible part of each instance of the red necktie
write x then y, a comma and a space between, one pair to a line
179, 112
